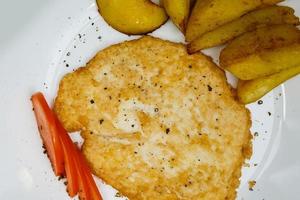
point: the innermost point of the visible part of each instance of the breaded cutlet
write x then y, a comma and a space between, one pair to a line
157, 123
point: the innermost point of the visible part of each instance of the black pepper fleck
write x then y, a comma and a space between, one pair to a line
101, 121
67, 65
209, 88
60, 177
269, 113
260, 102
92, 101
167, 131
155, 109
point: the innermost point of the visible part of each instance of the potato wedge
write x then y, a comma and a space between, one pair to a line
272, 15
251, 91
178, 11
210, 14
262, 52
132, 16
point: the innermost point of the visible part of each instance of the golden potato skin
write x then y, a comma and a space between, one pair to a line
252, 90
132, 16
272, 15
178, 11
262, 52
210, 14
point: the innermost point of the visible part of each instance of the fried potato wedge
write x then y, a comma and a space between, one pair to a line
178, 11
132, 16
272, 15
262, 52
207, 15
251, 91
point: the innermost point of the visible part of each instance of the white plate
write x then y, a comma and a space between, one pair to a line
35, 39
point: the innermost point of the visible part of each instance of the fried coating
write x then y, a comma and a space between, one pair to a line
157, 123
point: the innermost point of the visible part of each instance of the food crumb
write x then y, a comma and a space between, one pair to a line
246, 165
269, 113
251, 185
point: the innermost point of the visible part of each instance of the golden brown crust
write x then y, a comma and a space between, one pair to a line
189, 137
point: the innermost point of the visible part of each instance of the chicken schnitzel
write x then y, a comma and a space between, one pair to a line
157, 123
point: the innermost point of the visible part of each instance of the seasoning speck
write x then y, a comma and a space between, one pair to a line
69, 53
92, 101
67, 65
167, 131
118, 194
269, 113
260, 102
101, 121
209, 88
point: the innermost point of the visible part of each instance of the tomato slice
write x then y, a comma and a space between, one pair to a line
48, 132
94, 192
70, 162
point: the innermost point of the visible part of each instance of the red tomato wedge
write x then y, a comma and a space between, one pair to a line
48, 131
94, 192
70, 162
